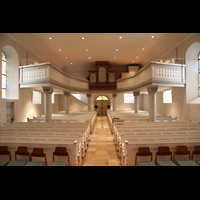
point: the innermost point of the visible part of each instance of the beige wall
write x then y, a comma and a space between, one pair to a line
24, 108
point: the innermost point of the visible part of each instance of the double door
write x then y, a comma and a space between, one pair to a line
102, 107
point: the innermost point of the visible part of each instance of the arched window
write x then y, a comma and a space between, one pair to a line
102, 98
199, 73
193, 74
4, 76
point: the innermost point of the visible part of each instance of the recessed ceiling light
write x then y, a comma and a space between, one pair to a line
83, 38
86, 49
142, 48
50, 38
117, 49
115, 57
66, 57
120, 37
88, 57
136, 56
133, 61
152, 36
59, 49
71, 63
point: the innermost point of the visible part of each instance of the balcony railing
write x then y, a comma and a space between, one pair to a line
47, 72
155, 72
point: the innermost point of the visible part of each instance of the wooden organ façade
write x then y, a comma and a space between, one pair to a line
102, 78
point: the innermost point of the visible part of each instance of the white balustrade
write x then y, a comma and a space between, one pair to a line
48, 73
154, 72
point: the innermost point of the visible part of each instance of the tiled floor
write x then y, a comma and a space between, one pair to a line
101, 150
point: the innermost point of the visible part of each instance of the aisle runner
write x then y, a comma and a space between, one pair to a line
101, 150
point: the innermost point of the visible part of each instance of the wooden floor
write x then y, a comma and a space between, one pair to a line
101, 150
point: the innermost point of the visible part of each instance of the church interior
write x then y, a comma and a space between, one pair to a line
100, 99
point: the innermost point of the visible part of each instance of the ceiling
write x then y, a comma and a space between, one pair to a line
66, 48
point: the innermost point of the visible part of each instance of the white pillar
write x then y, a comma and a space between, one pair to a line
89, 102
47, 103
152, 103
66, 96
114, 101
136, 95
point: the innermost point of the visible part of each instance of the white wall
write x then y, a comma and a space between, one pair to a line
23, 106
180, 107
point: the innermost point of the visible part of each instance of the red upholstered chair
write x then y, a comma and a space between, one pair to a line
164, 151
144, 151
21, 150
196, 151
4, 151
60, 151
37, 152
183, 150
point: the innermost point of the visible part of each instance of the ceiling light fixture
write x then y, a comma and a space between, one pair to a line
66, 57
117, 49
152, 36
143, 49
115, 57
86, 49
120, 37
59, 49
133, 61
50, 38
136, 56
88, 57
71, 63
83, 38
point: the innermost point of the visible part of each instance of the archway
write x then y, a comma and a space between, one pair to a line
102, 103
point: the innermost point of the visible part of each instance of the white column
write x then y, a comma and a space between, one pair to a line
136, 95
66, 96
114, 101
152, 103
47, 103
89, 102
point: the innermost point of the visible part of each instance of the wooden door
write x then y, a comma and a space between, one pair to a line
9, 112
102, 107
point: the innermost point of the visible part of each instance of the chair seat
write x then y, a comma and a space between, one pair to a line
59, 163
166, 163
3, 163
198, 161
35, 164
186, 163
17, 163
146, 163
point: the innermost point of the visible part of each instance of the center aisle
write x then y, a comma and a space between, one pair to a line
101, 150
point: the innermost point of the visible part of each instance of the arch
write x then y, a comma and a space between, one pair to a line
101, 98
102, 75
12, 72
93, 78
111, 78
192, 74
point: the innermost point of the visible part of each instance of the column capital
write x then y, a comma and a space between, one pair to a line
47, 90
136, 93
66, 93
114, 95
152, 90
89, 95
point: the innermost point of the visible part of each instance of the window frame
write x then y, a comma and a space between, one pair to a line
4, 76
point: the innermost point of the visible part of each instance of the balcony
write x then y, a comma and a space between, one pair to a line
47, 74
154, 73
